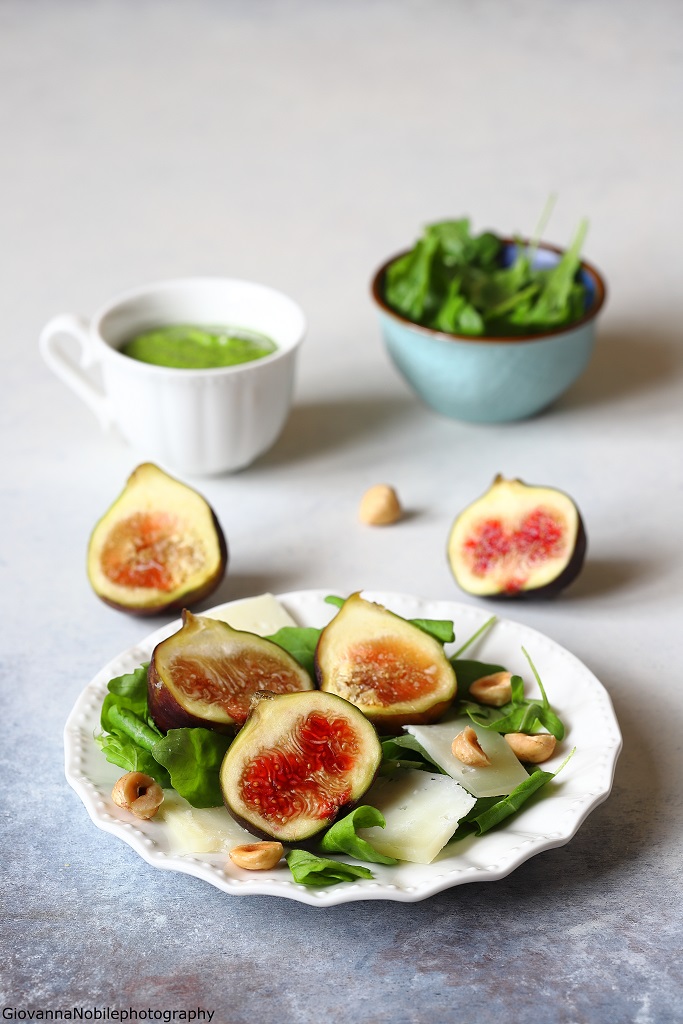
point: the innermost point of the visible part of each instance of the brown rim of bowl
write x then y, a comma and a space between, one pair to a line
588, 268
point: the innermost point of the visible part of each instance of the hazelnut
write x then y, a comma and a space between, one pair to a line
380, 506
139, 794
494, 690
531, 749
257, 856
466, 748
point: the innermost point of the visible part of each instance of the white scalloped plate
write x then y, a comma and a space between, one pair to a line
548, 821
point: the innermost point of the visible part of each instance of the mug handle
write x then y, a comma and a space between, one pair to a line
72, 371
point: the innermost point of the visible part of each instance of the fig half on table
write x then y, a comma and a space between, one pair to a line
517, 541
159, 547
394, 672
297, 762
207, 673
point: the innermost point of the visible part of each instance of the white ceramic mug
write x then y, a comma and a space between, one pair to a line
196, 421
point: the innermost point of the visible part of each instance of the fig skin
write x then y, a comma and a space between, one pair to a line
516, 495
171, 710
266, 728
392, 725
167, 713
145, 484
373, 624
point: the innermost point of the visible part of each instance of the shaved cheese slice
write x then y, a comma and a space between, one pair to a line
422, 812
199, 830
497, 779
263, 615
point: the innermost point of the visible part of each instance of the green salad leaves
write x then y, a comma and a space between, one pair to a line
461, 283
439, 629
490, 811
343, 838
129, 733
521, 714
193, 758
309, 869
189, 760
300, 642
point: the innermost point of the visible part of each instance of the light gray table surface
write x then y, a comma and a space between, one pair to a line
299, 144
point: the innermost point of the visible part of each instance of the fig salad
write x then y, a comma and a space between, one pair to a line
365, 738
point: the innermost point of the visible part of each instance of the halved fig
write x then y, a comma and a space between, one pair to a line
207, 673
299, 759
517, 540
158, 548
392, 671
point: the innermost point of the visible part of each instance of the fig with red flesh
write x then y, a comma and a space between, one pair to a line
207, 673
517, 541
158, 548
299, 760
395, 673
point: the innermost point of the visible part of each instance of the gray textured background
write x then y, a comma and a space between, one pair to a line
298, 144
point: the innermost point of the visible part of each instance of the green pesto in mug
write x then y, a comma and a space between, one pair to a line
193, 347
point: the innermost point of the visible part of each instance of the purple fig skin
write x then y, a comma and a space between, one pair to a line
310, 843
167, 713
170, 708
392, 725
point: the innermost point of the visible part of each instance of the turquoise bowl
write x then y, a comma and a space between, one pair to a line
492, 380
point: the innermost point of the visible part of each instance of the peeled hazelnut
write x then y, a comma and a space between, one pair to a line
257, 856
380, 506
531, 749
139, 794
467, 749
494, 690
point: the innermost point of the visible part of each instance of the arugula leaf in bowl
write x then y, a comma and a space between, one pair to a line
484, 285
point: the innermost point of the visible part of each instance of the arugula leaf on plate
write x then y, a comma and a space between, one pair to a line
300, 642
440, 629
521, 714
126, 754
193, 759
128, 691
405, 751
309, 869
187, 760
467, 672
128, 733
488, 812
342, 836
